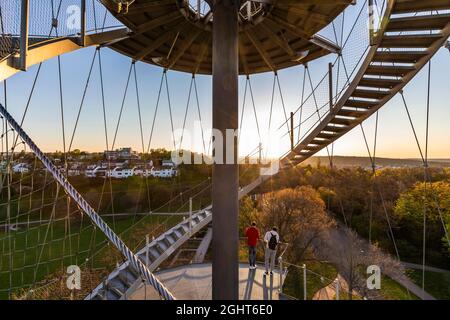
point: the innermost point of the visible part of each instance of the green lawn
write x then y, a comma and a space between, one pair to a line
437, 284
392, 290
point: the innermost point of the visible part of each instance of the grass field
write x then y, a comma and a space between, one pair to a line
293, 285
391, 290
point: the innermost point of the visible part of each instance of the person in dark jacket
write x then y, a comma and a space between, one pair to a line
272, 238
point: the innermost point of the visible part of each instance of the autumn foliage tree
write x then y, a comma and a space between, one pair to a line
298, 213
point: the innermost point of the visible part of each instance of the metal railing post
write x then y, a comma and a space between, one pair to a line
83, 23
292, 131
190, 216
371, 23
304, 282
330, 84
24, 34
260, 153
280, 262
147, 242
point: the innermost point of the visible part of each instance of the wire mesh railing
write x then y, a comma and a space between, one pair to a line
351, 33
316, 280
51, 19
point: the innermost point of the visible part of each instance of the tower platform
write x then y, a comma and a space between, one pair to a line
193, 282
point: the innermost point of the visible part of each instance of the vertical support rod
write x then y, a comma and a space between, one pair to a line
225, 182
330, 84
198, 9
24, 35
304, 282
280, 262
371, 22
147, 248
190, 216
83, 23
260, 153
292, 131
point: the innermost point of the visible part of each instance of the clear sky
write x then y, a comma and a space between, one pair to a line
43, 120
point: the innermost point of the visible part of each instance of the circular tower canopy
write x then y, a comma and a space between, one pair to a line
273, 34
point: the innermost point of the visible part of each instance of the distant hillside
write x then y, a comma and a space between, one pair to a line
342, 161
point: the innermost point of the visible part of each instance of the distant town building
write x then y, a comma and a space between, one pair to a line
20, 168
93, 171
122, 153
120, 173
123, 170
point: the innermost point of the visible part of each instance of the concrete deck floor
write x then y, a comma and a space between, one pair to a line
193, 282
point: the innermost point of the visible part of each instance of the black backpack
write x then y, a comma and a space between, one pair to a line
273, 242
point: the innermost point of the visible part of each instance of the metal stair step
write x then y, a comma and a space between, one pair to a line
355, 103
334, 129
183, 228
153, 250
161, 244
143, 257
325, 135
171, 238
418, 23
342, 121
351, 113
409, 41
370, 94
399, 56
378, 83
394, 71
132, 271
409, 6
111, 293
166, 241
312, 148
127, 277
177, 234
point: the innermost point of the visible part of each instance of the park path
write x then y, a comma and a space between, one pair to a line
427, 268
338, 234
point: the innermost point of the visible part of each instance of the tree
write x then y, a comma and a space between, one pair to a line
410, 208
299, 215
352, 255
247, 213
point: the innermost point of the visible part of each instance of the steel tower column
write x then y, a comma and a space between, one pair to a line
225, 178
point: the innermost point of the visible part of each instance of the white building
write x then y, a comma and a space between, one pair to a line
120, 173
94, 170
20, 168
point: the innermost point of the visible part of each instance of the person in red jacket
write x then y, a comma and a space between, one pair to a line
252, 234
